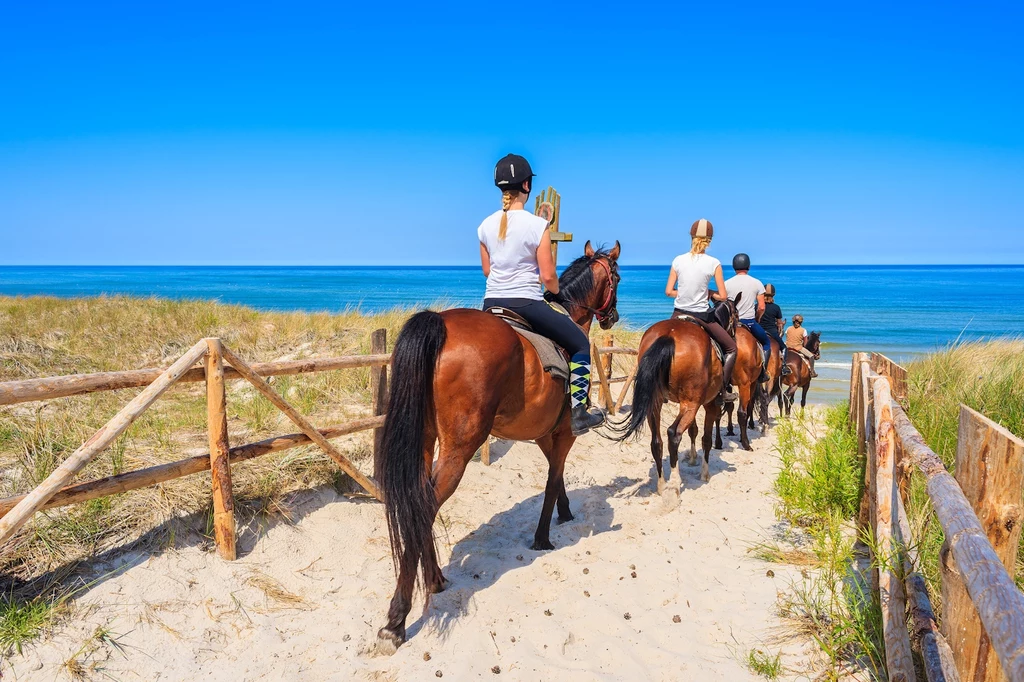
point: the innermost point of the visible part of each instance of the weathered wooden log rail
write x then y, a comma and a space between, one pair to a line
981, 638
218, 364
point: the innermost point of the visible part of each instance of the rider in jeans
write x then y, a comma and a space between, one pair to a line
751, 304
515, 251
688, 283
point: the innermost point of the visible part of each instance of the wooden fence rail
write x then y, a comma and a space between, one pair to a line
219, 364
982, 633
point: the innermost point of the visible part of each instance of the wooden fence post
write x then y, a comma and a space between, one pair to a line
609, 341
990, 471
604, 389
898, 660
378, 385
97, 443
220, 465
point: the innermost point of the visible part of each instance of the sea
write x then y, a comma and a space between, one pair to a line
902, 311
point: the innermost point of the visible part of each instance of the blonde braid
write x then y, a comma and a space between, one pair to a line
506, 203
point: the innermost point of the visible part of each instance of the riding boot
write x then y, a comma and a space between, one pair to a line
579, 395
727, 367
810, 363
764, 369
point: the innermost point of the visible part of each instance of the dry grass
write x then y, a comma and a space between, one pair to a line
48, 336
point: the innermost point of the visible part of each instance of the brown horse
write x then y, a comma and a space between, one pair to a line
744, 379
457, 377
748, 356
801, 374
678, 364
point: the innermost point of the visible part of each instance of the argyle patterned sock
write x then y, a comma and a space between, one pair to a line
579, 379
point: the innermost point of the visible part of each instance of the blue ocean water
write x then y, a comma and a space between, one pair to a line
902, 311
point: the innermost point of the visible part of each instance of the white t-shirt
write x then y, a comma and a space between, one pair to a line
693, 272
514, 271
751, 288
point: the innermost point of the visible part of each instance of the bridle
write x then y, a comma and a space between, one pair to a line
604, 311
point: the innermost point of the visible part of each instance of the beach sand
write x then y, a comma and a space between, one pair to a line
305, 598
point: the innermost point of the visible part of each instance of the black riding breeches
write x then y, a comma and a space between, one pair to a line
548, 322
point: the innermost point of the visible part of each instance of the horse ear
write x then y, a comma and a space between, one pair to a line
588, 250
614, 253
738, 297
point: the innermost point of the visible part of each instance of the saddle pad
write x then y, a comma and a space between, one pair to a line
714, 344
551, 357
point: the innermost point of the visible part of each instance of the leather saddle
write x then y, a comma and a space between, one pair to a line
553, 358
714, 344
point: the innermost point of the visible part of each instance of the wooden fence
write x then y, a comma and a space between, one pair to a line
981, 638
218, 364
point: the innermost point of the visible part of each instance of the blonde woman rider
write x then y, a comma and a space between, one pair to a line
515, 249
688, 283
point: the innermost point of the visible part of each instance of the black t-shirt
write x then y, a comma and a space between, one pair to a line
772, 313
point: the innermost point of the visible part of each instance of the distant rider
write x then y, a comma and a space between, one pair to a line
751, 304
688, 284
515, 249
772, 323
795, 338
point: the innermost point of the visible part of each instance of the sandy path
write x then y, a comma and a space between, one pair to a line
184, 614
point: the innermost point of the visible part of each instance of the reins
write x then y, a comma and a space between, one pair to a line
604, 310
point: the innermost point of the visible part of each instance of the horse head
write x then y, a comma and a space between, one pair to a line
589, 286
727, 314
814, 344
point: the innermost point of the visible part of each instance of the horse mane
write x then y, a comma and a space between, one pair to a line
577, 281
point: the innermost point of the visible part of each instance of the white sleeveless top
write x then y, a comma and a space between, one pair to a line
693, 273
514, 270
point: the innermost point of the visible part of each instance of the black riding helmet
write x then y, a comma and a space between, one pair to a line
512, 171
741, 261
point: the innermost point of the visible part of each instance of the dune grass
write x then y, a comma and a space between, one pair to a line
988, 377
819, 487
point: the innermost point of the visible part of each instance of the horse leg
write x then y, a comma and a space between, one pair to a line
675, 435
692, 432
742, 416
803, 395
728, 411
790, 394
711, 414
451, 466
654, 424
718, 434
564, 513
555, 447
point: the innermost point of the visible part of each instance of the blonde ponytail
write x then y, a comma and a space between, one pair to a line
699, 245
506, 203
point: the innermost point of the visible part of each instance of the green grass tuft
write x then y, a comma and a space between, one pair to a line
764, 664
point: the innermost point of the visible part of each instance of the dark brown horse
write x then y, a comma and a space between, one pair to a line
677, 363
801, 374
457, 377
760, 393
744, 379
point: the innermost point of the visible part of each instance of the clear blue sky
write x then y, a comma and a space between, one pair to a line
305, 134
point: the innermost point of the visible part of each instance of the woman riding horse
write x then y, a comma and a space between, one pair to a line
460, 375
515, 246
688, 284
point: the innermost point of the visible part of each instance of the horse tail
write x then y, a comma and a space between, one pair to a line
409, 501
650, 387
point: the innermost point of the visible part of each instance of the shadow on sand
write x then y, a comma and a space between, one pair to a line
502, 544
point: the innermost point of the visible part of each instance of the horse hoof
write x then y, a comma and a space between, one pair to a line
730, 432
748, 447
539, 546
566, 519
438, 587
388, 642
661, 485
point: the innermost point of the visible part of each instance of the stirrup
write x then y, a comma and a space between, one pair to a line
582, 421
